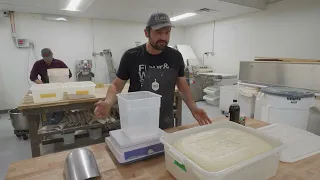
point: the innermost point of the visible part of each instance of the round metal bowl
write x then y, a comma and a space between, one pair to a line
18, 121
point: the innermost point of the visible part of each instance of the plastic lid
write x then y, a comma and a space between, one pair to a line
124, 142
288, 92
299, 144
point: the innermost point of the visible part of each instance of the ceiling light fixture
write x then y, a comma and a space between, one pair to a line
73, 5
54, 17
182, 16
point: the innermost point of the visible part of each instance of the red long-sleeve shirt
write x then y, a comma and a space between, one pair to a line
40, 68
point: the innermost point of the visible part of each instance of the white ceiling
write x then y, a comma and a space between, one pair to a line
134, 10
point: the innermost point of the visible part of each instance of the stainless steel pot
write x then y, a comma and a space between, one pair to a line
18, 121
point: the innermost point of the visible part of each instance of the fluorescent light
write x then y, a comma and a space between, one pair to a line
73, 5
182, 16
52, 17
61, 19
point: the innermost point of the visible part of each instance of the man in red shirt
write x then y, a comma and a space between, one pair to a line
48, 62
40, 69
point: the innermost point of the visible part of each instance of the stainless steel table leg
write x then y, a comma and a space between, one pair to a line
35, 139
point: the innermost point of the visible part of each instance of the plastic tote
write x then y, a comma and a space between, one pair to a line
58, 75
84, 88
227, 95
42, 93
263, 166
139, 113
247, 100
285, 106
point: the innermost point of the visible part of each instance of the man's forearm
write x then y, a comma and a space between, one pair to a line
186, 96
185, 93
111, 98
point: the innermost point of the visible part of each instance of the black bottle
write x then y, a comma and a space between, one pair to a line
234, 111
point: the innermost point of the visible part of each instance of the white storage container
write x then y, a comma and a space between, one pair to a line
212, 100
68, 138
58, 75
139, 113
264, 166
227, 95
42, 93
80, 89
212, 91
95, 133
285, 106
247, 100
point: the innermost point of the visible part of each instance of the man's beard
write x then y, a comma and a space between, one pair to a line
159, 45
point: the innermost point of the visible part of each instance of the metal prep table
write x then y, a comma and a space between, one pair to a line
34, 111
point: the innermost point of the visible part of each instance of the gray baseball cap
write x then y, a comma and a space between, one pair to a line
159, 20
46, 52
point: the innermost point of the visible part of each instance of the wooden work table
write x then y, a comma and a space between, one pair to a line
34, 111
50, 167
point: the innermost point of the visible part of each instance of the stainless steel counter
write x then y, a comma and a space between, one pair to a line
290, 74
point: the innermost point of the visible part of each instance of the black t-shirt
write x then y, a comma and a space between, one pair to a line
135, 62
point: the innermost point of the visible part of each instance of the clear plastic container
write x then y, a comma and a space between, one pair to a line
80, 89
212, 91
42, 93
68, 138
212, 100
58, 75
139, 113
264, 166
95, 133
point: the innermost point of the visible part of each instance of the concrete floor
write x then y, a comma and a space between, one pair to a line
13, 149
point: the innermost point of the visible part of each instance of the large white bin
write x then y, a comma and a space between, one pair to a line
227, 95
285, 106
261, 167
247, 100
47, 92
139, 113
81, 89
58, 75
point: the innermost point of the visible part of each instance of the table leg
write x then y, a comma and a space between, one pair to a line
179, 110
35, 139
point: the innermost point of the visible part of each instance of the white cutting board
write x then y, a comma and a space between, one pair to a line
298, 144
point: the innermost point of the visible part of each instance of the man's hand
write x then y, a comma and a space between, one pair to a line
38, 81
102, 109
201, 116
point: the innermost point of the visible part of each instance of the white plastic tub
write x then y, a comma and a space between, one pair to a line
212, 91
68, 138
288, 106
58, 75
212, 100
261, 167
42, 93
139, 113
227, 95
81, 89
95, 133
247, 100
